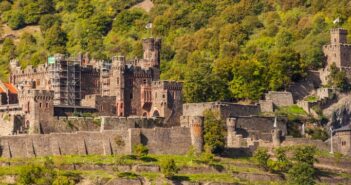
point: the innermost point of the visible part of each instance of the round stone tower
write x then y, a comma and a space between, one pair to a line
196, 131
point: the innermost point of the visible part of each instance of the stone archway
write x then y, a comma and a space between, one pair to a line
144, 114
156, 114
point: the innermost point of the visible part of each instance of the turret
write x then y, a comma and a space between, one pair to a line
117, 83
338, 36
196, 131
152, 49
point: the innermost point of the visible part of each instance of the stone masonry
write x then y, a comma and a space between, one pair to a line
338, 52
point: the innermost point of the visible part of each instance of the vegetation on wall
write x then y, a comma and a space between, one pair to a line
221, 50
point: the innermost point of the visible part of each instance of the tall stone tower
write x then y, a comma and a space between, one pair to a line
38, 107
338, 52
152, 49
117, 83
196, 131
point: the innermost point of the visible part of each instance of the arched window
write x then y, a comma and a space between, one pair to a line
156, 114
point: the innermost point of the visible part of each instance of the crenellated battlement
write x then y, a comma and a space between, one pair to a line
338, 30
37, 94
168, 85
151, 44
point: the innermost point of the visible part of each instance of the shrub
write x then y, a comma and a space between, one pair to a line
305, 154
169, 168
282, 164
206, 157
63, 180
261, 156
35, 174
301, 173
318, 133
16, 20
140, 150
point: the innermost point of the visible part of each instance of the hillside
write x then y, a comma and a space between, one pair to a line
221, 50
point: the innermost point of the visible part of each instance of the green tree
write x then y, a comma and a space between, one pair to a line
5, 6
214, 131
169, 168
8, 50
47, 21
305, 154
16, 20
337, 78
85, 9
55, 39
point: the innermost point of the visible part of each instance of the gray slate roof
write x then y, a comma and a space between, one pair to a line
343, 129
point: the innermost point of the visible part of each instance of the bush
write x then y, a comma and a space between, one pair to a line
63, 180
318, 133
261, 156
35, 174
301, 173
16, 20
206, 157
282, 164
140, 150
169, 168
305, 154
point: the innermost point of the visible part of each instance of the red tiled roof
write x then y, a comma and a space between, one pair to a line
11, 88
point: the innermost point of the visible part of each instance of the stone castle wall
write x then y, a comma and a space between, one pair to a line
280, 99
226, 110
290, 141
74, 124
258, 127
158, 140
175, 140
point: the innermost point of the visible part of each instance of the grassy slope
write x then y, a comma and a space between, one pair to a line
238, 165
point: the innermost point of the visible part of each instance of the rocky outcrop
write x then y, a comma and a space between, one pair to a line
339, 113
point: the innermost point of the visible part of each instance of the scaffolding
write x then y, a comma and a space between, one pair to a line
105, 78
65, 80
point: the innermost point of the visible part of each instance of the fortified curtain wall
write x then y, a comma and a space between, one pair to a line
74, 124
158, 140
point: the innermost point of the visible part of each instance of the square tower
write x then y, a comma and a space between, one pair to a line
338, 36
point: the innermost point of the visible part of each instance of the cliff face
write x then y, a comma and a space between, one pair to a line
339, 113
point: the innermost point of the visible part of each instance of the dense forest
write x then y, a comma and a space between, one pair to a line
221, 50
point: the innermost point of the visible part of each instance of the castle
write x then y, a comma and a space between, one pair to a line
65, 86
43, 110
